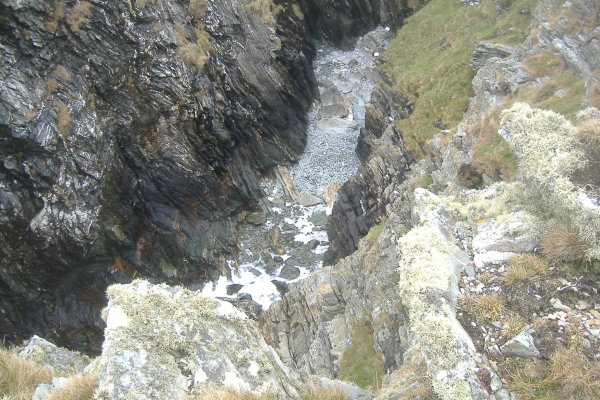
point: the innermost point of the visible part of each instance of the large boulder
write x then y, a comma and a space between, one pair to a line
165, 342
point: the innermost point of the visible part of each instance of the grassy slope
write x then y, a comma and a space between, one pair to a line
429, 60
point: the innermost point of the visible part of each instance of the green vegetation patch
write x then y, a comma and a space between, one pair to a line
360, 362
429, 60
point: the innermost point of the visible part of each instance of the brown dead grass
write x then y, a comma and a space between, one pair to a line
220, 393
51, 86
567, 375
314, 392
31, 114
62, 74
20, 377
524, 266
198, 8
59, 14
80, 387
489, 306
78, 15
64, 120
195, 52
267, 10
563, 244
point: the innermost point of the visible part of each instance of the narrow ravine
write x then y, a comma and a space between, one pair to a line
286, 241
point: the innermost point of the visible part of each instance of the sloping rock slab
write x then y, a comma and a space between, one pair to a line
165, 342
54, 359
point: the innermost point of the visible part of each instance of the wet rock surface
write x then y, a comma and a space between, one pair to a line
123, 157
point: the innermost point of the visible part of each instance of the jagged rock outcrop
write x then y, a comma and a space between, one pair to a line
403, 283
341, 21
126, 149
165, 342
312, 325
362, 200
54, 359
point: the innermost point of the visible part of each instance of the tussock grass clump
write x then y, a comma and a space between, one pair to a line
564, 244
64, 119
197, 51
267, 10
314, 391
222, 393
80, 387
59, 14
20, 377
524, 266
78, 15
489, 306
198, 8
568, 374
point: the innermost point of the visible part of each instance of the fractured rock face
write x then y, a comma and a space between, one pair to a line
125, 148
58, 361
497, 241
158, 334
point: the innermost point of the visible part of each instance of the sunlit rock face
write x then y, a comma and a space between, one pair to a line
165, 342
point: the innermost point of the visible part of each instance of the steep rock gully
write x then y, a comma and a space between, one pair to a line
286, 240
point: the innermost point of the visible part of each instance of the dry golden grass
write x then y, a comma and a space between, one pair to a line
489, 306
62, 74
221, 393
51, 86
267, 10
197, 52
314, 392
30, 114
19, 377
524, 266
64, 119
567, 375
78, 15
198, 8
80, 387
563, 244
59, 14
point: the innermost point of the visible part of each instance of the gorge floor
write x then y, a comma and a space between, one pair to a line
286, 240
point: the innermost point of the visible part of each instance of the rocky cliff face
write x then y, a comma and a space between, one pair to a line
131, 133
342, 21
362, 200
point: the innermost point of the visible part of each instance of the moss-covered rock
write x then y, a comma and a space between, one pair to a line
166, 342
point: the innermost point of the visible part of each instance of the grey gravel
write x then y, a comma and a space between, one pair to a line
346, 79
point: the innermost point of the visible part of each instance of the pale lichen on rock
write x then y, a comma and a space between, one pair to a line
545, 144
157, 334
